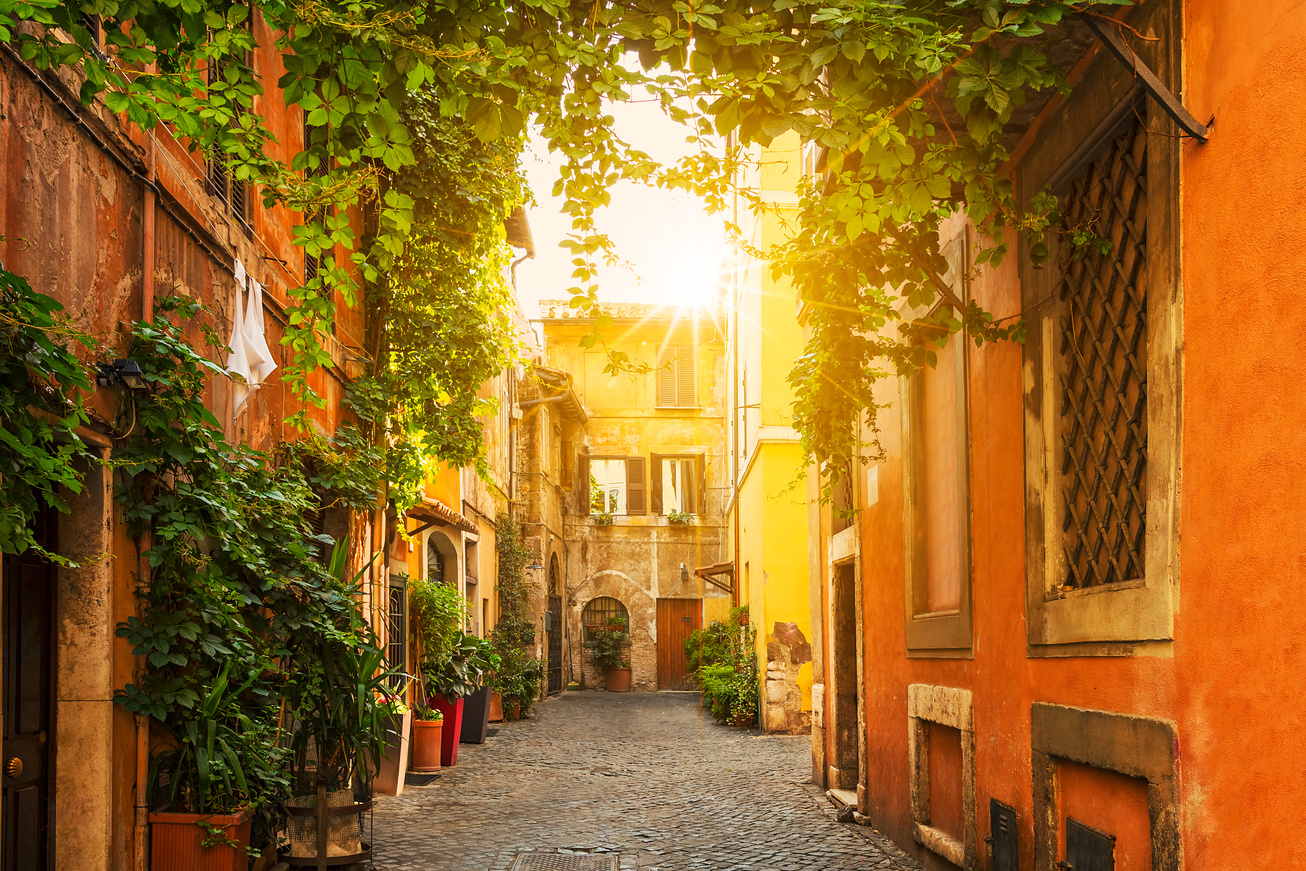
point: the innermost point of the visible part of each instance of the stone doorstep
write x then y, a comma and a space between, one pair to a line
845, 804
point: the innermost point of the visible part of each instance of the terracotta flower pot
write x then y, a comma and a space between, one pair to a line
617, 680
496, 708
426, 745
512, 710
177, 843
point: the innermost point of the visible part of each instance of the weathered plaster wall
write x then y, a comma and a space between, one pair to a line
72, 208
638, 558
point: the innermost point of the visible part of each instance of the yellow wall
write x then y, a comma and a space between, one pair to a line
771, 503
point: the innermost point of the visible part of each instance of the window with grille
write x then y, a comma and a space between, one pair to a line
313, 262
1102, 367
231, 192
602, 611
676, 379
397, 624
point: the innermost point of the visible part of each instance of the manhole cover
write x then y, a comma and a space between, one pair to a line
566, 862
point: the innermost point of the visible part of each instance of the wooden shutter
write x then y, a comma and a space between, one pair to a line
685, 380
700, 489
655, 483
667, 377
583, 482
635, 486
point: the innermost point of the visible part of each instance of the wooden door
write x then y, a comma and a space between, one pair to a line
676, 619
28, 711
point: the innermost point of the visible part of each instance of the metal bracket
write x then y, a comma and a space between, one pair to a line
1153, 85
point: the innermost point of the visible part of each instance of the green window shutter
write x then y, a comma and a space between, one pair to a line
635, 486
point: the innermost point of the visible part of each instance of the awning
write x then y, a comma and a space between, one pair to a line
434, 512
712, 573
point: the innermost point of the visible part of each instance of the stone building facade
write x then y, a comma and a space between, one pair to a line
643, 481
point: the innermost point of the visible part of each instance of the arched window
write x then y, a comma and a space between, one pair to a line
555, 581
601, 612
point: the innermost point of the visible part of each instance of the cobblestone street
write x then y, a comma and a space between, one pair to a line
630, 781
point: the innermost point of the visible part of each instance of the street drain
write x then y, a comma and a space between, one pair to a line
538, 861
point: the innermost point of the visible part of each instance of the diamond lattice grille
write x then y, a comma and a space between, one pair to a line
1103, 370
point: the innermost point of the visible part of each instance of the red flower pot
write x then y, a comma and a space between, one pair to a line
617, 680
453, 727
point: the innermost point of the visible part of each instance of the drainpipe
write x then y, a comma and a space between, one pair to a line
734, 415
142, 741
147, 232
143, 565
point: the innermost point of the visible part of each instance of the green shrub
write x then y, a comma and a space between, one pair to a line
709, 646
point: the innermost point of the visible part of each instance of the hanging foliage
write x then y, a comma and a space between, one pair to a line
41, 383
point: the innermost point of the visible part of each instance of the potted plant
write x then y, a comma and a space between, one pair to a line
679, 518
449, 686
482, 663
428, 724
603, 518
390, 778
518, 681
202, 787
437, 612
339, 729
607, 647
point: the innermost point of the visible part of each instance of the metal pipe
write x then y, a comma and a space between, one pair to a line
147, 233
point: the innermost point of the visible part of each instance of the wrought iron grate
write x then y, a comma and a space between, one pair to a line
566, 861
1103, 369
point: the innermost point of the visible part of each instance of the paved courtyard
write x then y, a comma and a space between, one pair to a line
624, 781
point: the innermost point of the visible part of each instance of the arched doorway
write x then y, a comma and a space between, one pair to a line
553, 628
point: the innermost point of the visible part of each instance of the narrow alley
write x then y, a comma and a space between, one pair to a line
639, 781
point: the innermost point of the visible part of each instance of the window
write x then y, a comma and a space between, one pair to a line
677, 484
313, 262
1103, 356
616, 484
601, 611
434, 562
232, 192
676, 380
936, 484
397, 625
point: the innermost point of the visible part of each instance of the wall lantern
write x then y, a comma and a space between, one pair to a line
535, 563
684, 573
128, 372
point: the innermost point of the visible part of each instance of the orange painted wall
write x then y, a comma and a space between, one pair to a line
1231, 678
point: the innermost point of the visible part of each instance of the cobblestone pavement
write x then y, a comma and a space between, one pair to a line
642, 781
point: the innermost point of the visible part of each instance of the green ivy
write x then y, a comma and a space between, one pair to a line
41, 384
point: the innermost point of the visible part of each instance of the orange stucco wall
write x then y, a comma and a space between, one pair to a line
1231, 678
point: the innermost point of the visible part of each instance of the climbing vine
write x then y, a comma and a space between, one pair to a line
41, 383
908, 99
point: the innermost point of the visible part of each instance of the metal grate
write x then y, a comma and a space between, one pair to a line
566, 861
1103, 369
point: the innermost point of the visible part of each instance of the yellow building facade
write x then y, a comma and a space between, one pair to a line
647, 485
767, 510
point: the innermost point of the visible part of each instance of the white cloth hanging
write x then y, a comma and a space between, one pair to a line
261, 363
250, 357
237, 361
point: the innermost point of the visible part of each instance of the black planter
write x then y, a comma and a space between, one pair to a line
476, 717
